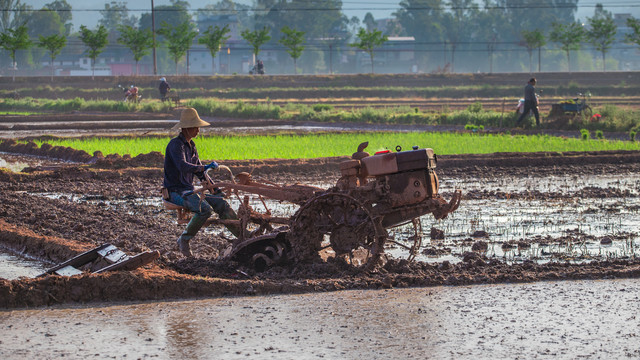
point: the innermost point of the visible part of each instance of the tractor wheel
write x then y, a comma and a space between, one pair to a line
341, 223
587, 112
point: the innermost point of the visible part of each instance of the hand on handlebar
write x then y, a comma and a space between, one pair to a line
213, 165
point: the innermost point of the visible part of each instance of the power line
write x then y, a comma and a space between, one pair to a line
633, 4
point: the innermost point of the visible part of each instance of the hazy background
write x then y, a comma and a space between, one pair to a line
452, 39
378, 8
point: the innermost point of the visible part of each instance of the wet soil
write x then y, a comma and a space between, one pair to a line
40, 216
87, 124
528, 321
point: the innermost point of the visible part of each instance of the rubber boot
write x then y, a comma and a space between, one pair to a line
229, 214
183, 246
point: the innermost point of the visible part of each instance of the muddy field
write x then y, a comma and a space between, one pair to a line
523, 218
524, 321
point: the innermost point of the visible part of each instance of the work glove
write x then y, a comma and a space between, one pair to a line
213, 165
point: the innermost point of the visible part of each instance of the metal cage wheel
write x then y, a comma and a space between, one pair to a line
352, 232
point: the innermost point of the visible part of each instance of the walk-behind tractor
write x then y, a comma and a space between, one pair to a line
349, 220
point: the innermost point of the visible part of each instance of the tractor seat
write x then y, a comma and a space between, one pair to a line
168, 205
183, 213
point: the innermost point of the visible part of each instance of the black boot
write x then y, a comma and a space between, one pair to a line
229, 214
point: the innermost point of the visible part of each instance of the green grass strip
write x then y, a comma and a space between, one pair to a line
289, 146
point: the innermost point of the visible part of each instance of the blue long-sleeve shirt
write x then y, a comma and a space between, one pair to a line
164, 87
181, 162
530, 93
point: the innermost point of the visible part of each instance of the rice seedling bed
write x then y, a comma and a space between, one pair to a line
294, 146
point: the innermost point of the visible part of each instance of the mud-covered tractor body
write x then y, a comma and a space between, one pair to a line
375, 193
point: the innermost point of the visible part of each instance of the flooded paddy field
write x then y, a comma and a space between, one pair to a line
555, 224
510, 217
552, 248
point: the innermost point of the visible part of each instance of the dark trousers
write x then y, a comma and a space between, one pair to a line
530, 106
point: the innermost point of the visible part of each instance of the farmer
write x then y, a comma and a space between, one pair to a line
530, 102
181, 163
163, 88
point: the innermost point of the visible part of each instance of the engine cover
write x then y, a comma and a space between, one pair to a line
410, 188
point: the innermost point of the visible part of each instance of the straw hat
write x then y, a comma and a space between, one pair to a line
190, 119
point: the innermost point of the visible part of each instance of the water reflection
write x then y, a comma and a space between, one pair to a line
506, 321
13, 267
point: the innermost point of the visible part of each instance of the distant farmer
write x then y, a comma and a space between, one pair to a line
164, 88
530, 102
131, 94
181, 163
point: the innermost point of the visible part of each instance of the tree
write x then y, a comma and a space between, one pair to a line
256, 39
634, 36
63, 9
13, 14
116, 14
230, 9
327, 17
601, 33
369, 21
178, 39
293, 40
175, 14
354, 24
422, 19
368, 41
456, 23
95, 41
491, 29
14, 40
533, 40
45, 22
214, 39
568, 36
54, 44
326, 21
139, 41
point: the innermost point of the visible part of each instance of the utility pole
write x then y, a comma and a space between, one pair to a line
153, 30
444, 54
331, 59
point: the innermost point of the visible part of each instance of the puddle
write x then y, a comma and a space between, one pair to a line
13, 267
545, 319
561, 183
15, 166
17, 163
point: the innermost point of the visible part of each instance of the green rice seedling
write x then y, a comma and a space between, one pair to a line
25, 113
476, 107
212, 107
322, 107
584, 134
341, 144
599, 135
632, 135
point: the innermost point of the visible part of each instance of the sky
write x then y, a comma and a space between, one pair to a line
378, 8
